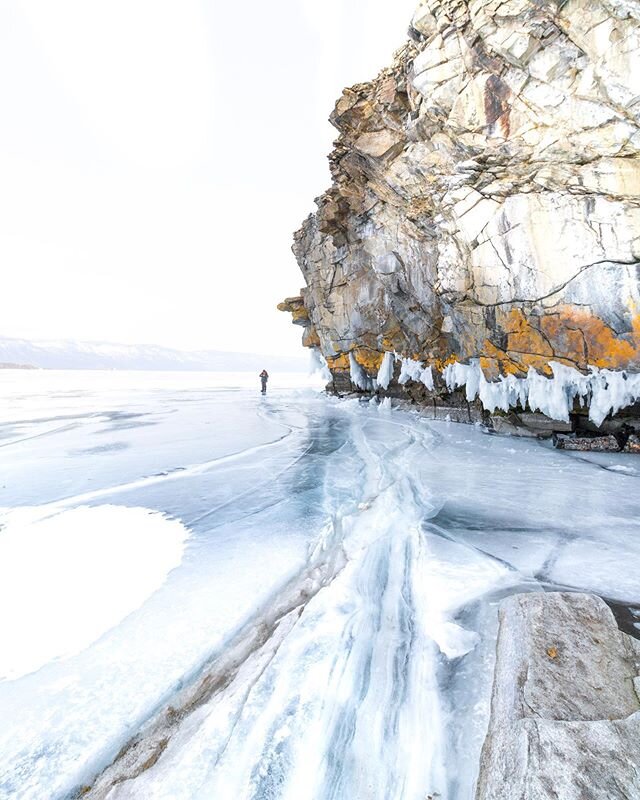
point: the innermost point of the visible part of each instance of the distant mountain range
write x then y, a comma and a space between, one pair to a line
58, 354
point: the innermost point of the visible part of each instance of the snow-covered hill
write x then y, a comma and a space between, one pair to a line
60, 354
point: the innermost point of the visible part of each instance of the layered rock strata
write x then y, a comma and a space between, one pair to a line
485, 209
565, 711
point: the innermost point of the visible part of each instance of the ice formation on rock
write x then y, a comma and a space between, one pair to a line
603, 391
414, 371
385, 373
359, 377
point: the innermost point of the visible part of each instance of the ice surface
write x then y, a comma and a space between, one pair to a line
370, 549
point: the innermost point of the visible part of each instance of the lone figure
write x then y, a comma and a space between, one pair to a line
264, 377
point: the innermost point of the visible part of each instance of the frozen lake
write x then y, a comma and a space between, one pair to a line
352, 558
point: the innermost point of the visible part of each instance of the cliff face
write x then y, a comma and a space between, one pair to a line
485, 207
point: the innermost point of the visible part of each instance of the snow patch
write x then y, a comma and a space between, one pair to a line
622, 468
66, 577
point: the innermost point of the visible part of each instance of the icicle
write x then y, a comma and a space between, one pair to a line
605, 391
612, 390
412, 370
358, 375
319, 366
385, 406
385, 373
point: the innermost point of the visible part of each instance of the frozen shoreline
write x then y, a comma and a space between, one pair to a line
429, 525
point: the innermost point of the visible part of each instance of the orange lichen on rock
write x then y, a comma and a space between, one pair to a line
370, 360
490, 368
587, 340
565, 334
295, 306
500, 362
310, 337
441, 363
523, 337
339, 362
393, 338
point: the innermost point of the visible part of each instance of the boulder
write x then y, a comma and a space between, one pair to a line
565, 710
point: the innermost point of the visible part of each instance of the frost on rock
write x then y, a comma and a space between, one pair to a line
318, 365
604, 391
385, 373
358, 375
414, 371
611, 391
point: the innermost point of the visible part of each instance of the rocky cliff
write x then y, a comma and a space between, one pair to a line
483, 225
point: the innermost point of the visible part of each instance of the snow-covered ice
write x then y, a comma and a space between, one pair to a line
354, 559
73, 574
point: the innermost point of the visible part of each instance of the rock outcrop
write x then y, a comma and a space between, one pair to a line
485, 211
565, 711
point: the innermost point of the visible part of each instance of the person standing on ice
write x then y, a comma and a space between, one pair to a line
264, 377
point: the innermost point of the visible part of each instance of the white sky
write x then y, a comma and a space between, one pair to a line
157, 155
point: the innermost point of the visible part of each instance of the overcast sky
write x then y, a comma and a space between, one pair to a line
156, 156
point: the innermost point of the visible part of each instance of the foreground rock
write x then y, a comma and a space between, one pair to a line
565, 711
485, 207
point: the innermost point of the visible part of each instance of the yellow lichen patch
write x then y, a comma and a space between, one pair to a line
289, 303
393, 338
387, 344
441, 363
310, 337
300, 314
497, 362
370, 360
584, 338
522, 337
295, 306
340, 362
502, 362
565, 334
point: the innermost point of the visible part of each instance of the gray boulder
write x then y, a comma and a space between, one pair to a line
565, 710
